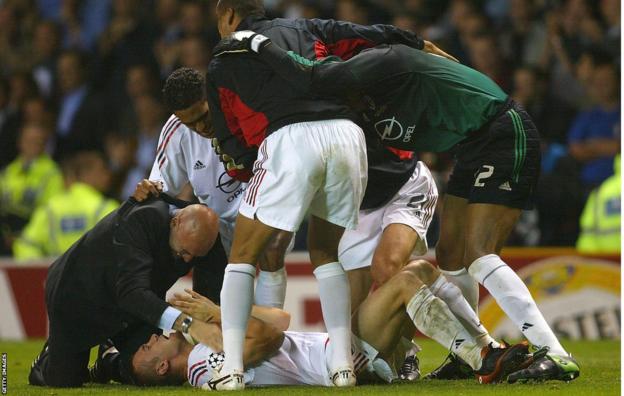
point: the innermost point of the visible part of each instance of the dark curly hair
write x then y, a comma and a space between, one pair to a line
183, 88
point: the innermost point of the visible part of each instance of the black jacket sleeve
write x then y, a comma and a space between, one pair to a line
333, 77
330, 77
208, 272
135, 262
350, 35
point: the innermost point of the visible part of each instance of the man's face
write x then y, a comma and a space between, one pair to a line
32, 141
157, 349
184, 242
197, 118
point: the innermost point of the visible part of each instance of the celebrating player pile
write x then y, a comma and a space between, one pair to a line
417, 101
255, 114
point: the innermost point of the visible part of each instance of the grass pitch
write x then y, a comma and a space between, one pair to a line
599, 360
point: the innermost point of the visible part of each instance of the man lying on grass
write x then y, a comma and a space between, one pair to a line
274, 356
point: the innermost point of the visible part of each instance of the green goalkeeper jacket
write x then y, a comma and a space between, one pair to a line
413, 100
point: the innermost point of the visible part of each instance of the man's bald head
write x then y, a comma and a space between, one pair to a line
194, 230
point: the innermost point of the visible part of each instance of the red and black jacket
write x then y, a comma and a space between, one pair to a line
319, 38
248, 101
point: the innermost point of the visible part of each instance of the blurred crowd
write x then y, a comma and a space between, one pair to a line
80, 90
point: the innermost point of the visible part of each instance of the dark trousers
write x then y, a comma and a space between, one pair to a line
61, 366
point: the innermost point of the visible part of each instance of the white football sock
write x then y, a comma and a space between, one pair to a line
515, 300
335, 298
271, 288
236, 299
434, 319
454, 299
467, 284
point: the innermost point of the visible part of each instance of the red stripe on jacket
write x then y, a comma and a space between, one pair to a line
344, 49
243, 122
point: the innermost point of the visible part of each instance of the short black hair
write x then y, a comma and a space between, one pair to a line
183, 88
243, 8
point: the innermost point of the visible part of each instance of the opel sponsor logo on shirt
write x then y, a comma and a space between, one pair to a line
389, 129
227, 184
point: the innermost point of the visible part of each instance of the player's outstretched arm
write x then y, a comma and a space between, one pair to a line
329, 77
353, 37
202, 308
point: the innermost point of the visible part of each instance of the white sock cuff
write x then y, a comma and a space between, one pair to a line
418, 299
328, 270
273, 277
242, 268
482, 267
454, 273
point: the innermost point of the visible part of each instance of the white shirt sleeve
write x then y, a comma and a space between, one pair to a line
168, 318
170, 163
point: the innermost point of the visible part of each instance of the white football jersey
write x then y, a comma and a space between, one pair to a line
184, 156
301, 360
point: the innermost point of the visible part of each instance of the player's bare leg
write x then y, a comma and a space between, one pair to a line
450, 248
397, 243
360, 283
250, 239
380, 320
487, 228
334, 293
271, 284
393, 252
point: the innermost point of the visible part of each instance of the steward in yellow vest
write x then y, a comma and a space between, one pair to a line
600, 221
55, 226
27, 182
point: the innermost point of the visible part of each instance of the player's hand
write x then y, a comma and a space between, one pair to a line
432, 49
230, 164
146, 187
243, 41
196, 305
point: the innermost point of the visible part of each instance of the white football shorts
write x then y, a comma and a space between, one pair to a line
413, 205
316, 167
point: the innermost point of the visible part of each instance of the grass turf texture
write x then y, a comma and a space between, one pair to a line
599, 360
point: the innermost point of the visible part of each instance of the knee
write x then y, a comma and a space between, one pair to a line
424, 270
409, 279
384, 268
406, 283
